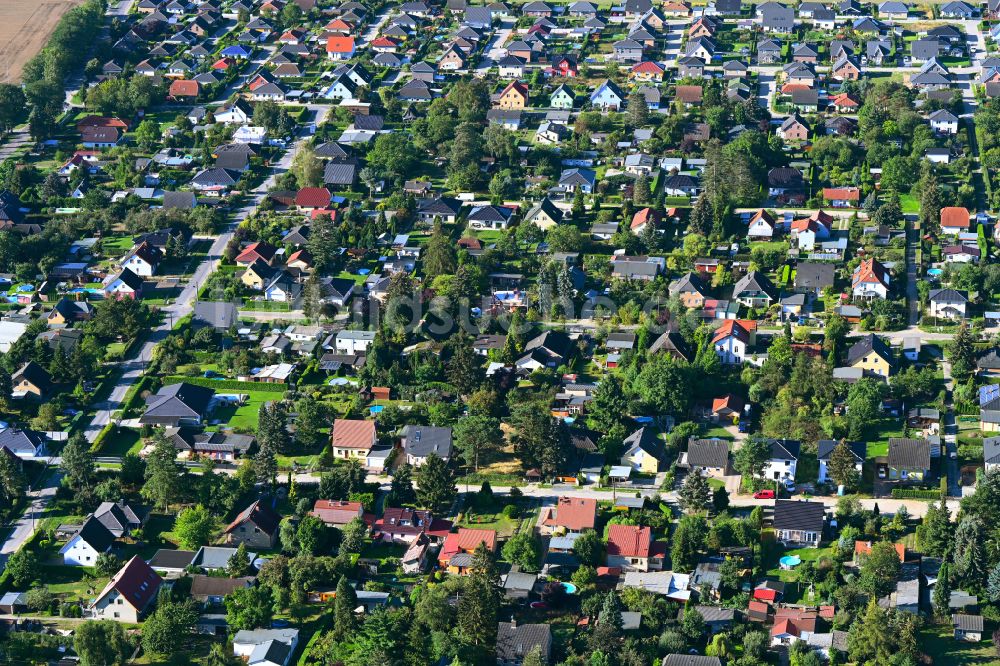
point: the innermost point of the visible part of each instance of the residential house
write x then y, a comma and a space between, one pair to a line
631, 548
824, 451
256, 527
353, 438
90, 542
337, 513
570, 515
515, 641
948, 303
642, 451
732, 340
872, 356
870, 280
419, 442
909, 460
783, 460
799, 523
708, 457
177, 404
754, 290
128, 594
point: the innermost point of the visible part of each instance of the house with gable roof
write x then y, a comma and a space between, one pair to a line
256, 527
128, 595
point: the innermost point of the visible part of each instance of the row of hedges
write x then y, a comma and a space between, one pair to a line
915, 493
228, 384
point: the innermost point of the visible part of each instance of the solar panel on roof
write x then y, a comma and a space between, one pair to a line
989, 393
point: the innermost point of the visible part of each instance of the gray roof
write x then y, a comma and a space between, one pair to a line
991, 450
948, 296
690, 660
178, 401
96, 534
340, 173
825, 447
217, 314
216, 557
967, 622
814, 275
171, 559
866, 345
708, 453
909, 453
516, 641
799, 515
421, 441
520, 581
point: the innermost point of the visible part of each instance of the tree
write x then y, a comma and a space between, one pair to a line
962, 353
392, 154
313, 536
638, 110
195, 526
864, 403
22, 568
439, 255
609, 406
941, 597
479, 605
534, 657
249, 607
476, 437
168, 622
308, 168
693, 624
751, 458
879, 570
588, 548
101, 643
344, 622
970, 562
435, 488
108, 564
689, 538
464, 367
148, 134
353, 536
993, 584
217, 656
640, 192
936, 530
239, 562
272, 427
13, 107
524, 550
720, 499
609, 621
12, 480
311, 422
78, 463
401, 490
695, 494
164, 477
842, 467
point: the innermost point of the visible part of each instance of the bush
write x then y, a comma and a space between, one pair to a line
915, 493
511, 511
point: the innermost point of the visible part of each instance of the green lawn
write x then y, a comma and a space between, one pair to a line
72, 583
244, 417
124, 440
909, 203
939, 643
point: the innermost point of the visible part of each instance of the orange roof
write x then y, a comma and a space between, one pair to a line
338, 24
645, 215
183, 88
223, 63
573, 513
255, 251
629, 540
841, 193
384, 41
738, 327
339, 44
353, 434
819, 216
865, 548
955, 217
466, 541
729, 401
843, 99
869, 270
762, 215
101, 121
792, 87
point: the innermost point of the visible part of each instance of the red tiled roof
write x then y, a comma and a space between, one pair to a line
841, 193
629, 540
518, 86
955, 217
729, 401
255, 251
353, 434
645, 215
101, 121
335, 512
844, 99
339, 44
384, 42
739, 327
869, 270
573, 513
466, 541
184, 88
647, 67
261, 515
313, 197
862, 547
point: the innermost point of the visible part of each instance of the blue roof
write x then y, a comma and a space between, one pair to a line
235, 50
988, 393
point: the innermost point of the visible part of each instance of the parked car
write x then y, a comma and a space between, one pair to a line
764, 494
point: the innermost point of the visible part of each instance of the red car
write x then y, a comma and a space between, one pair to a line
764, 494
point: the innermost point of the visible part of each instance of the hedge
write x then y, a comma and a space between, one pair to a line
228, 384
915, 493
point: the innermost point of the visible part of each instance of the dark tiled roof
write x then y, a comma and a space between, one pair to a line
909, 453
798, 515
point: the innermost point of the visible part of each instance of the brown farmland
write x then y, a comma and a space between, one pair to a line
25, 26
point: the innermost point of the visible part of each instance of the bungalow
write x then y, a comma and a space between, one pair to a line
353, 438
458, 547
177, 404
708, 457
23, 443
955, 220
799, 523
340, 47
909, 460
570, 515
842, 197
